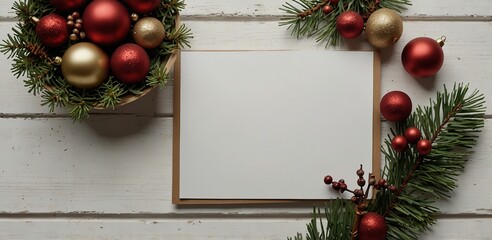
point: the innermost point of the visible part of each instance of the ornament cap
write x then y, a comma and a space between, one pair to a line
441, 41
34, 19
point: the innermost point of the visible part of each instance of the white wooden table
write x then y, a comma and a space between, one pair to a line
110, 177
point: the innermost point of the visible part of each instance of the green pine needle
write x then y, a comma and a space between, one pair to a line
42, 76
305, 18
452, 123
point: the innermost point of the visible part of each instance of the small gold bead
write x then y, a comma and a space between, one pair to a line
134, 17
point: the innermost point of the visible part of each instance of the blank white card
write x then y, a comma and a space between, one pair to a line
272, 124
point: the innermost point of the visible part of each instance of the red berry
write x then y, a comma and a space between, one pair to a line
354, 199
399, 143
341, 181
412, 134
392, 188
328, 179
327, 9
335, 185
381, 182
334, 2
358, 192
424, 147
343, 187
360, 172
361, 182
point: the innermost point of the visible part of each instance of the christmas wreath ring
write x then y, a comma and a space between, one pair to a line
99, 54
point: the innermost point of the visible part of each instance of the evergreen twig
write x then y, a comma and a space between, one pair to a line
451, 122
37, 63
306, 17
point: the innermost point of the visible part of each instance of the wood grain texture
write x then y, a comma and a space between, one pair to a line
203, 229
122, 165
468, 51
255, 8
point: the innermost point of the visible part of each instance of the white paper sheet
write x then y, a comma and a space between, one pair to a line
272, 124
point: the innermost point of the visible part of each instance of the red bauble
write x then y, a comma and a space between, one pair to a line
396, 106
424, 147
399, 143
372, 227
422, 57
106, 22
130, 63
68, 5
327, 9
52, 30
350, 24
412, 134
143, 6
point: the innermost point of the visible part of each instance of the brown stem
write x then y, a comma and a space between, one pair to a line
310, 11
420, 159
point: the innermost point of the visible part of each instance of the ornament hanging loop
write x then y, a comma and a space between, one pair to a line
441, 41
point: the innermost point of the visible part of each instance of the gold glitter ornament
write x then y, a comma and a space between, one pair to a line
85, 65
384, 28
149, 32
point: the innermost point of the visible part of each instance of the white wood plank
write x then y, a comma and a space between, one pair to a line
197, 228
122, 164
254, 8
467, 58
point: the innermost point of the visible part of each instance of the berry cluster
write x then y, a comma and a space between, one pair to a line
74, 23
412, 135
359, 194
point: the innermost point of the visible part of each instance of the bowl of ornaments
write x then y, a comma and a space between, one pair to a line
99, 54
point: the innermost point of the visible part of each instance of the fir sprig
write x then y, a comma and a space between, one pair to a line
451, 122
306, 17
38, 64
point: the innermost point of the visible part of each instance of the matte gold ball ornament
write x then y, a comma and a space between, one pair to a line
149, 32
384, 28
85, 65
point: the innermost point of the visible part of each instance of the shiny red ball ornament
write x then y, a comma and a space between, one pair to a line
68, 5
130, 63
327, 9
423, 57
143, 6
396, 106
424, 147
399, 143
52, 30
106, 22
372, 227
350, 24
412, 134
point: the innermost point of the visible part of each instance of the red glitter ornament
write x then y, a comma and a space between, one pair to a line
130, 63
68, 5
350, 24
52, 30
143, 6
106, 22
396, 106
412, 134
399, 143
372, 227
423, 57
424, 147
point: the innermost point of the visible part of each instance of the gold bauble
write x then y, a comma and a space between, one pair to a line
384, 28
85, 65
149, 32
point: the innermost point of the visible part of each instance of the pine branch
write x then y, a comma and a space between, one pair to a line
305, 18
30, 59
451, 123
338, 216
